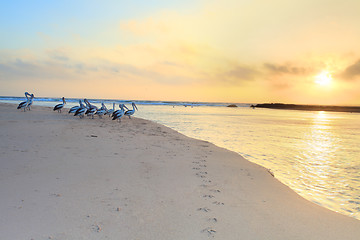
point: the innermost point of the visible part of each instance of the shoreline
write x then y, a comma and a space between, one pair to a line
66, 178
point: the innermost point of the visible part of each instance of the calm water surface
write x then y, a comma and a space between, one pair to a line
317, 154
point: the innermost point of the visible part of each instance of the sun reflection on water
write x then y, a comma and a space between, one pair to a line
319, 167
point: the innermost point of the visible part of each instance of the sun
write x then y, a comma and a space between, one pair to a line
324, 78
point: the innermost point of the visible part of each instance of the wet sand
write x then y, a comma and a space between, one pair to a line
62, 177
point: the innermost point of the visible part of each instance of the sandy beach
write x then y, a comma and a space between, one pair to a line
62, 177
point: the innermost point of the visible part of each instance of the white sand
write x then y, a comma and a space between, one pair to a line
66, 178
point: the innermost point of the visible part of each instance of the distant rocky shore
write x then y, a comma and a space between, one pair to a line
308, 107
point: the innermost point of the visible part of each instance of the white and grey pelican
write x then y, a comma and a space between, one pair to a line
88, 104
132, 111
24, 103
122, 106
58, 107
28, 105
100, 112
103, 106
110, 111
81, 111
91, 112
91, 109
119, 113
75, 108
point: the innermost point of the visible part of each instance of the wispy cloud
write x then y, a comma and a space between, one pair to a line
58, 55
286, 69
235, 75
352, 71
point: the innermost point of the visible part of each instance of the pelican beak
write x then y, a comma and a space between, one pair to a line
136, 107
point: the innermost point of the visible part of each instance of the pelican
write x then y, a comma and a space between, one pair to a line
103, 107
75, 108
88, 104
91, 109
122, 106
119, 113
58, 107
24, 103
111, 111
132, 111
100, 112
28, 105
81, 111
91, 112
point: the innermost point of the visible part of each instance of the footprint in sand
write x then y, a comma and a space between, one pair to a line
210, 231
96, 228
204, 209
200, 175
208, 196
215, 190
214, 220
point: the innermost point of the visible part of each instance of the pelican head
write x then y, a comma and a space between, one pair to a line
134, 106
124, 106
86, 102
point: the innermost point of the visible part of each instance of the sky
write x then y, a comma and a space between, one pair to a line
241, 51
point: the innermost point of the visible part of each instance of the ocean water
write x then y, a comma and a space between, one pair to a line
317, 154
